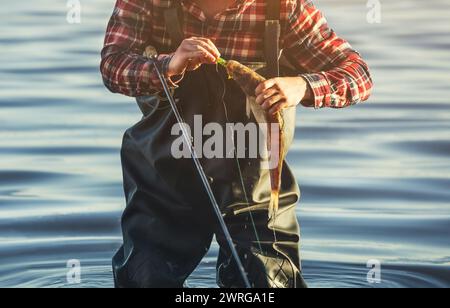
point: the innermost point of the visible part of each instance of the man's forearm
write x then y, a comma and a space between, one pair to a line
124, 68
338, 76
347, 83
131, 74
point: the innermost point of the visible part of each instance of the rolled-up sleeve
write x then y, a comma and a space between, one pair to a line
124, 68
337, 74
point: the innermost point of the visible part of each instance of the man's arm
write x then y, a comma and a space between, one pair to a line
123, 67
338, 76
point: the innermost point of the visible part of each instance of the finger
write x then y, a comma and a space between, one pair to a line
193, 62
207, 59
188, 42
211, 48
211, 45
278, 107
260, 99
201, 55
212, 51
268, 103
265, 95
198, 58
265, 85
198, 47
270, 92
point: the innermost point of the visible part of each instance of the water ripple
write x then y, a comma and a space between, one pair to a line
374, 177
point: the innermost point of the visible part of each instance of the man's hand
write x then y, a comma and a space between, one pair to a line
191, 54
283, 92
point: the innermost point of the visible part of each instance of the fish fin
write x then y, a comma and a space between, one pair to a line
274, 204
248, 107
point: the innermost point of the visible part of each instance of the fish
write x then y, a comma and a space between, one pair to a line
248, 80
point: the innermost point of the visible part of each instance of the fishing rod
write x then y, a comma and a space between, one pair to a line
201, 172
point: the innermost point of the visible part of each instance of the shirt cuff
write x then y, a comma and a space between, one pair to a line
321, 89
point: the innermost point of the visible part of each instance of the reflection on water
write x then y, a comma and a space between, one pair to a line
374, 177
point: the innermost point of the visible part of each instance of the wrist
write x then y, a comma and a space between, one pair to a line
308, 96
170, 66
164, 62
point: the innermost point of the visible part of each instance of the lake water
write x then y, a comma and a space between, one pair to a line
375, 177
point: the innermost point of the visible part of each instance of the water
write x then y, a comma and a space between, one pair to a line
375, 178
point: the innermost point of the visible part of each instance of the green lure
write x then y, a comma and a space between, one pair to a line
224, 63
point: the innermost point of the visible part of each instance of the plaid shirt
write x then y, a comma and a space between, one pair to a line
336, 73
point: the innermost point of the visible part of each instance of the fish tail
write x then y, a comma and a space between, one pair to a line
274, 203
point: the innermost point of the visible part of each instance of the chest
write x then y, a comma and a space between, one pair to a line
213, 7
237, 27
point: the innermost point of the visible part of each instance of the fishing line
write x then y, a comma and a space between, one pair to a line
201, 172
273, 221
247, 200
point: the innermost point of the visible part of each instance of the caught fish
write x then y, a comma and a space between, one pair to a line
284, 121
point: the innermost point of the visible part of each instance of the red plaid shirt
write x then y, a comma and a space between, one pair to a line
336, 73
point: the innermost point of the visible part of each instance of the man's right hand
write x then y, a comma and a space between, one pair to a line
191, 54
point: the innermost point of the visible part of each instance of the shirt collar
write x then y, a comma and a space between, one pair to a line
237, 8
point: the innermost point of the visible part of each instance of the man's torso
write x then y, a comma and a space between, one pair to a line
237, 31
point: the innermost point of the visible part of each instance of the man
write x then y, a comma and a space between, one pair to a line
168, 224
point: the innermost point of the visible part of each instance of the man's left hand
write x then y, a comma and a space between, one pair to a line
283, 92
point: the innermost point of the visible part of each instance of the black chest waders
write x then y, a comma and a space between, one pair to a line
169, 222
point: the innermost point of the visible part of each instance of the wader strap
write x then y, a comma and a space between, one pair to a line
174, 20
272, 38
174, 23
